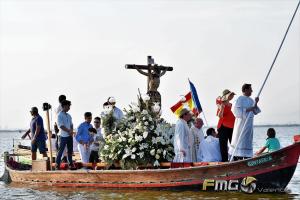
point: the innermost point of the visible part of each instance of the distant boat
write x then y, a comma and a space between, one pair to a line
270, 172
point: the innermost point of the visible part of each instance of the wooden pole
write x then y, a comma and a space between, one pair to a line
262, 87
49, 138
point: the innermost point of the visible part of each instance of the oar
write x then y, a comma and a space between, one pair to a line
247, 118
49, 134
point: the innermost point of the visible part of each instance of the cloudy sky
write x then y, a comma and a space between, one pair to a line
79, 48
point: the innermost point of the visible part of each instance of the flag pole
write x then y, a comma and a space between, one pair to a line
272, 65
204, 118
197, 99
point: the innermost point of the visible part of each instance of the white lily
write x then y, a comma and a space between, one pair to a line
145, 134
133, 149
152, 152
156, 163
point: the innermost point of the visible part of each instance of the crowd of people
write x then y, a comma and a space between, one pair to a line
234, 135
86, 140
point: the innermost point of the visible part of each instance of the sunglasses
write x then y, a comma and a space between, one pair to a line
96, 122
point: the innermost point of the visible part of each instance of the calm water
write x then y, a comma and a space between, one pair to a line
19, 191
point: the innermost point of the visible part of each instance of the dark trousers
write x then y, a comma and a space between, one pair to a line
94, 157
225, 135
62, 143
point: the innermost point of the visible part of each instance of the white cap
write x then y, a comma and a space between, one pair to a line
111, 100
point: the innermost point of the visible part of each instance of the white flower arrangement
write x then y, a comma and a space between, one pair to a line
140, 138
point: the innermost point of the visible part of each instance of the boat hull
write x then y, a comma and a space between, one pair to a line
267, 173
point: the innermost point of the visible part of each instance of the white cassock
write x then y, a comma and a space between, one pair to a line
181, 142
192, 148
198, 136
210, 150
245, 146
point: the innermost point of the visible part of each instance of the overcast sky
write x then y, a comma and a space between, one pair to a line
79, 48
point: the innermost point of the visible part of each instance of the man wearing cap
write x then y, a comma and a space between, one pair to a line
38, 136
244, 110
65, 125
181, 139
118, 114
226, 121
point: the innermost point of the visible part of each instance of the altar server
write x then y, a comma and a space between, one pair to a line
244, 110
210, 147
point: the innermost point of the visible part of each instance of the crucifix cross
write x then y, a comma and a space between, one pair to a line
152, 71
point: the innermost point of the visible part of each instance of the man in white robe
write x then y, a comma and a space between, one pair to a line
181, 138
244, 110
197, 136
210, 147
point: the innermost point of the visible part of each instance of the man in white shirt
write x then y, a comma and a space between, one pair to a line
61, 98
197, 136
210, 147
65, 124
181, 138
118, 114
244, 110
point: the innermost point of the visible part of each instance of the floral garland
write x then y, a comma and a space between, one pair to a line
139, 139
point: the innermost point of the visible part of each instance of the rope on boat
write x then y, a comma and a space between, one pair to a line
272, 65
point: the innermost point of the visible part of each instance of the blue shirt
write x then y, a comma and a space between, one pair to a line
64, 119
272, 144
83, 134
37, 121
118, 114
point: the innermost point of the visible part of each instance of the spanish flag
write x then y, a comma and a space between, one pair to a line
191, 101
185, 102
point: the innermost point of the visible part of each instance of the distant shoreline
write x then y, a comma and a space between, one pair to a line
265, 125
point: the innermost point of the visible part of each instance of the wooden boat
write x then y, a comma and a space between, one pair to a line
270, 172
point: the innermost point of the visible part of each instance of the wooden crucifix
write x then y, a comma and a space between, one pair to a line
153, 73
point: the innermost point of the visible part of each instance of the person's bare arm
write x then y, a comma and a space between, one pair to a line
221, 111
36, 134
260, 151
70, 131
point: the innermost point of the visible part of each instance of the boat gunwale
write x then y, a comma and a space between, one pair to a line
122, 171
